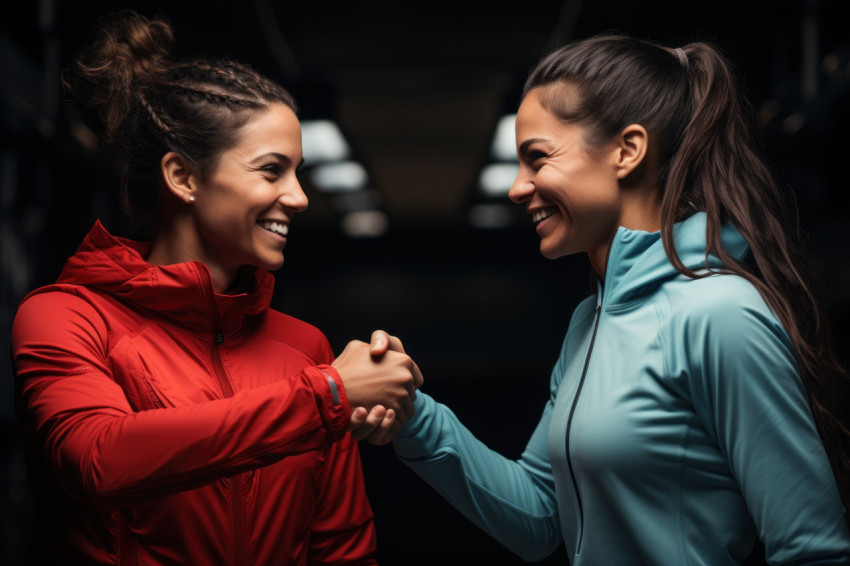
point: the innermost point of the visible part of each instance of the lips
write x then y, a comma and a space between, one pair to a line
542, 214
277, 227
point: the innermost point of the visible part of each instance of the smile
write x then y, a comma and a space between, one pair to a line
540, 215
278, 228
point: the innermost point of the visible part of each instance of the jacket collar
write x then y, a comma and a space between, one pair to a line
181, 292
637, 262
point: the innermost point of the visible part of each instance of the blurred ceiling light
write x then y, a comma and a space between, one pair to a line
504, 139
344, 176
321, 141
367, 199
496, 179
364, 224
490, 216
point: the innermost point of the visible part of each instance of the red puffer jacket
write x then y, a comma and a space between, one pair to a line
167, 424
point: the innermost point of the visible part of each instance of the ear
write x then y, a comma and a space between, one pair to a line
632, 145
177, 176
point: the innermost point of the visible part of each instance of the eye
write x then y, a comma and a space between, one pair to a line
273, 169
534, 155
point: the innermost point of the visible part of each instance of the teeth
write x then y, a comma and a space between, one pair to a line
276, 227
543, 214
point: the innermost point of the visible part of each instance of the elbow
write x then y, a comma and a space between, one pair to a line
79, 481
80, 473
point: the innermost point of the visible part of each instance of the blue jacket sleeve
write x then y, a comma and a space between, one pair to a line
512, 501
749, 394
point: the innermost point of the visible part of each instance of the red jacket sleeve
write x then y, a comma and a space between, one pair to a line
101, 449
343, 531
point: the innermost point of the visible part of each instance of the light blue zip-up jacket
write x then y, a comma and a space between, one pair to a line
676, 433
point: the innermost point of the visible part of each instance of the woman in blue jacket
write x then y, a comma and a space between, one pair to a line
692, 410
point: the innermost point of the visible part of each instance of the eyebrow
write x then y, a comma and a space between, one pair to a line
523, 147
276, 155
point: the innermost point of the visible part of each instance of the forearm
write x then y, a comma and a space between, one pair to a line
512, 501
105, 451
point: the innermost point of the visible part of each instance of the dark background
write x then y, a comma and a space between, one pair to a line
417, 89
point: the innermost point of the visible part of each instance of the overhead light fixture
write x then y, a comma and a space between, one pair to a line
503, 147
322, 141
496, 178
343, 176
490, 216
365, 224
367, 199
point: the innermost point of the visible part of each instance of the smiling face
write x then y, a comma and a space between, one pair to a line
572, 193
242, 210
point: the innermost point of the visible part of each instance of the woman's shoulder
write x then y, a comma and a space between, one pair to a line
56, 297
717, 296
294, 332
56, 312
723, 309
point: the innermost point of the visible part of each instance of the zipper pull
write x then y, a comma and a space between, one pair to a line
219, 337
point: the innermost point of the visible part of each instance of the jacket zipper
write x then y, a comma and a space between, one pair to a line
126, 549
237, 500
570, 426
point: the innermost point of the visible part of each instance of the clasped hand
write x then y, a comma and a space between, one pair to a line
380, 381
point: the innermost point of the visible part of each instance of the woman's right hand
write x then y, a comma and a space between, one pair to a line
390, 379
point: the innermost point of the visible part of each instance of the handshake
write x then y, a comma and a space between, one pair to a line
380, 381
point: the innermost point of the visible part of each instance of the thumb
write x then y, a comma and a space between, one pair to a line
379, 343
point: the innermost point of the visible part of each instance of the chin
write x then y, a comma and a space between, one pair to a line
549, 253
270, 264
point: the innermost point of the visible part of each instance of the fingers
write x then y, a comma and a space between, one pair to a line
389, 379
364, 423
378, 426
396, 345
358, 417
389, 427
381, 342
418, 379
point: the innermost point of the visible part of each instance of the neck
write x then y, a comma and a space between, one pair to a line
640, 210
173, 245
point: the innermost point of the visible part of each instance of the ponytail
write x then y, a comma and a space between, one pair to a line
718, 170
709, 162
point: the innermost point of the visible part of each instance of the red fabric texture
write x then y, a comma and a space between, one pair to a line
167, 424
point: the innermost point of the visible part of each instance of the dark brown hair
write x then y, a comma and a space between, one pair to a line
690, 103
149, 104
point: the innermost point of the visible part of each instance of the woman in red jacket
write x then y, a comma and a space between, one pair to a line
169, 415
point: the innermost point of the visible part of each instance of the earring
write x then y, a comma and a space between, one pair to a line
191, 199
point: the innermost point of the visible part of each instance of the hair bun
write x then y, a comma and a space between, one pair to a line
143, 45
129, 52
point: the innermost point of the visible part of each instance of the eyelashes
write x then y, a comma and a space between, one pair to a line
272, 168
534, 155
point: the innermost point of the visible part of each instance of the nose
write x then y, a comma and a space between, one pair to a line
293, 196
522, 189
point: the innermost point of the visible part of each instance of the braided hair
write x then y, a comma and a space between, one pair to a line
148, 104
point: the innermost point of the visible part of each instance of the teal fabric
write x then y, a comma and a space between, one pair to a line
690, 438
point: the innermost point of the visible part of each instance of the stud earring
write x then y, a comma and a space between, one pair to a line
191, 199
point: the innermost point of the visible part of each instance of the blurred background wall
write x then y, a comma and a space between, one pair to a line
409, 228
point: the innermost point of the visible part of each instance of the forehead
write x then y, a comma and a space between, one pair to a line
537, 115
275, 128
